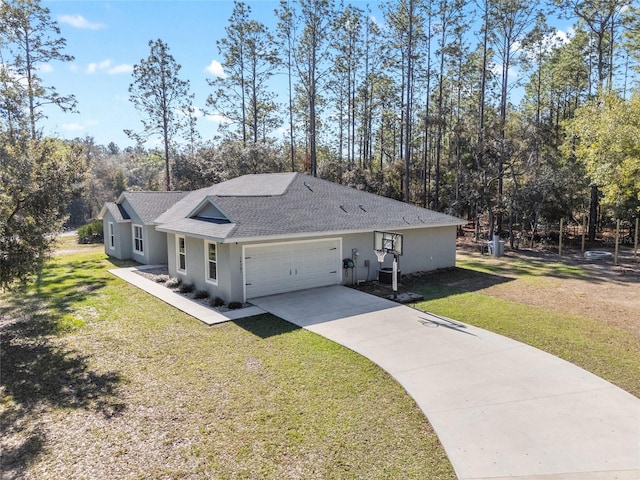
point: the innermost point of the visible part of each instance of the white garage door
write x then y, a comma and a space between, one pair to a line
284, 267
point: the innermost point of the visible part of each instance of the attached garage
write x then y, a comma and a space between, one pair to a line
286, 266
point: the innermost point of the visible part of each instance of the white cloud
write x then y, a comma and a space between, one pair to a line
79, 127
215, 69
195, 112
78, 21
45, 68
73, 127
122, 68
107, 65
563, 37
11, 74
496, 69
94, 67
217, 118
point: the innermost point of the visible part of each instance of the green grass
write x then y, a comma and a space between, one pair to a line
522, 268
102, 380
605, 350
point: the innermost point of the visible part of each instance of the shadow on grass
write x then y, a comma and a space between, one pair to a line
572, 265
39, 371
117, 263
451, 281
266, 326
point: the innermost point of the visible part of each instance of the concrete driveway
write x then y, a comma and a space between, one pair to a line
501, 409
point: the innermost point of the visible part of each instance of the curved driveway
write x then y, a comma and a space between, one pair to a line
501, 409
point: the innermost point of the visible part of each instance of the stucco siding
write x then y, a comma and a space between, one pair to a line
115, 251
124, 242
156, 249
223, 288
236, 277
122, 238
171, 255
424, 249
196, 267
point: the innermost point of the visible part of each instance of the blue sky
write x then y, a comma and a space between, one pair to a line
108, 38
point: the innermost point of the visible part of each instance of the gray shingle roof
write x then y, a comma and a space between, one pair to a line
149, 205
279, 205
117, 212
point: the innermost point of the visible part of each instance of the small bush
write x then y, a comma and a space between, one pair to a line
200, 294
162, 278
216, 302
173, 283
91, 232
186, 288
235, 305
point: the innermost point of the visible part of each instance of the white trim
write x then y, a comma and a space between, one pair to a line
207, 260
178, 269
133, 235
270, 244
112, 236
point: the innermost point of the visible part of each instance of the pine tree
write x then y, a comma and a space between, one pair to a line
159, 93
249, 61
29, 38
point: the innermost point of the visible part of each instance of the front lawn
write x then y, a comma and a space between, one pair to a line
100, 380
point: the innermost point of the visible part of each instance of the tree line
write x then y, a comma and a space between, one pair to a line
421, 105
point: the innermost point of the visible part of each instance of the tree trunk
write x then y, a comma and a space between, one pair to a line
593, 212
407, 148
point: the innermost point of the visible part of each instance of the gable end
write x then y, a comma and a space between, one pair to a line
210, 212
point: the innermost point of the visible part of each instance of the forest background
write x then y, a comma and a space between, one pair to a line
419, 102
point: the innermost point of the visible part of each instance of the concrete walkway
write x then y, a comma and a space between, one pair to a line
501, 409
203, 313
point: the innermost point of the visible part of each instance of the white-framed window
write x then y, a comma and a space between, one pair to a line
138, 243
181, 254
112, 236
211, 262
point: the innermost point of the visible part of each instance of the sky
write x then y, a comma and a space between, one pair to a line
108, 37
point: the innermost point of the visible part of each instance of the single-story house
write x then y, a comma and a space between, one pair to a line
129, 228
264, 234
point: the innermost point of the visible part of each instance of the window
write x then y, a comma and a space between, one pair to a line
112, 237
181, 249
211, 259
138, 244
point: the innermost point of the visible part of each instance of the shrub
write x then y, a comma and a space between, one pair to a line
200, 294
91, 232
186, 288
162, 278
173, 283
216, 302
235, 305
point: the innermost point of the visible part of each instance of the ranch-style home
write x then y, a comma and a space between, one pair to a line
265, 234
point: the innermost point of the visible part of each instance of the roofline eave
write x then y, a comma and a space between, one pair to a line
300, 235
330, 233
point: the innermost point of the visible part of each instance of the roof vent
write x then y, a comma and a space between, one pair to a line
307, 185
362, 208
406, 221
343, 209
